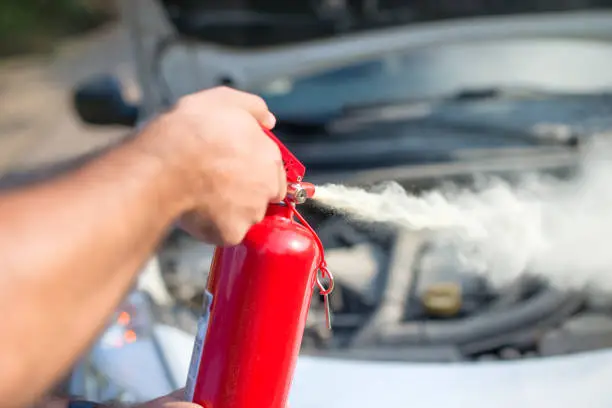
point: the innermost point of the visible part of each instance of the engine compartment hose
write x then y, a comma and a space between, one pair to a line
469, 329
390, 310
526, 336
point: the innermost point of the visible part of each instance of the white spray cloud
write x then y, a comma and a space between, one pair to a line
561, 230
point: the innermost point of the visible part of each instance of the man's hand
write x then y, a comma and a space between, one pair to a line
230, 168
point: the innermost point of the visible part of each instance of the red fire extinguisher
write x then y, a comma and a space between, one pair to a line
256, 304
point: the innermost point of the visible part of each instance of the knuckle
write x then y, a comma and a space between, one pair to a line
231, 115
191, 97
223, 90
183, 101
253, 99
190, 104
258, 101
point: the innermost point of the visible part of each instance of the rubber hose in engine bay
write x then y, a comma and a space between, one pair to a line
386, 325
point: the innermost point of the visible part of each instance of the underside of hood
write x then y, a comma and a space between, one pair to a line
253, 23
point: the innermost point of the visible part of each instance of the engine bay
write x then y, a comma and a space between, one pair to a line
403, 296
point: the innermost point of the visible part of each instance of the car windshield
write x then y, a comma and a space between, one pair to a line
423, 76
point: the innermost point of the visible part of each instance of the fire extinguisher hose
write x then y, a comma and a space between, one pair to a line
324, 274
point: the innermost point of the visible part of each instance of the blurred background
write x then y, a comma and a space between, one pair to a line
46, 47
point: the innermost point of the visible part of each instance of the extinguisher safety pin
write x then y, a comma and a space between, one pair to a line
325, 282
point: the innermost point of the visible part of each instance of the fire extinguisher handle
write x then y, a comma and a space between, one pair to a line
294, 169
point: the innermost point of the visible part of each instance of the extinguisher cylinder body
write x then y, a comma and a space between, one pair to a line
260, 295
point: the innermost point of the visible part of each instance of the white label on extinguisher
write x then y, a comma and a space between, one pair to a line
196, 355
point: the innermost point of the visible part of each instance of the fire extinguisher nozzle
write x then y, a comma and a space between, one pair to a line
309, 188
300, 192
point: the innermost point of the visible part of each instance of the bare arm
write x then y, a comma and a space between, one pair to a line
71, 247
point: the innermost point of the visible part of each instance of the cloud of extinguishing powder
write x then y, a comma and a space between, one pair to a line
558, 229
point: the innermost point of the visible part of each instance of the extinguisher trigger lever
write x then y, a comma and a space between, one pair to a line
294, 169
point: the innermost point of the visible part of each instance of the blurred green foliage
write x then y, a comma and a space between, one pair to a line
35, 25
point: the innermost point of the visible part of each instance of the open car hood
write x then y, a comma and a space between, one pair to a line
571, 381
249, 23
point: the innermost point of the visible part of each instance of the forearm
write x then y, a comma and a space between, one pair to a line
69, 250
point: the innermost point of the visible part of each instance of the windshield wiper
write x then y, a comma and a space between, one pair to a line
468, 95
428, 112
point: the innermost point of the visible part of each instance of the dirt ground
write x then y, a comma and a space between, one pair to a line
37, 123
